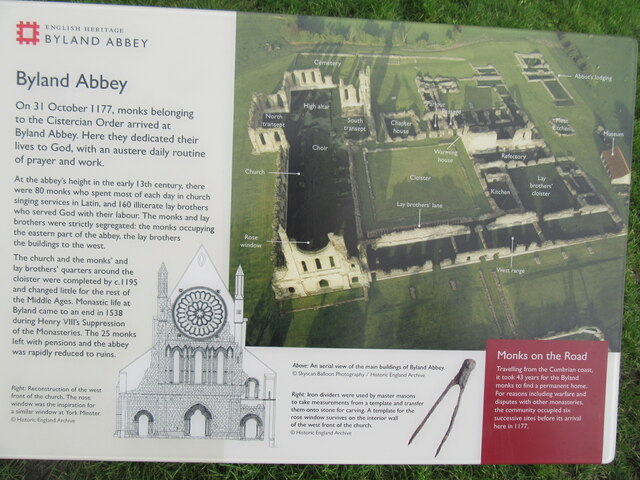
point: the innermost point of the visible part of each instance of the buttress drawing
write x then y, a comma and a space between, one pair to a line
198, 380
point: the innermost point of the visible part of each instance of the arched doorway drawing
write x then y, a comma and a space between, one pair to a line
143, 423
252, 427
197, 421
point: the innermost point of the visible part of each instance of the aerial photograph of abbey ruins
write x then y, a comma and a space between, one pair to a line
429, 186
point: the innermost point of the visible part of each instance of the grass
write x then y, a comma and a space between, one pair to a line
470, 94
584, 292
585, 16
326, 299
398, 91
452, 186
387, 318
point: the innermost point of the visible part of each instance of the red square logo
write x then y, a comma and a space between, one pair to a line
28, 33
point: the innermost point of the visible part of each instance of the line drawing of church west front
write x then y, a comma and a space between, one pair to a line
198, 380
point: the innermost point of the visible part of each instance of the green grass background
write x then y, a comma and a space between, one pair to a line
460, 193
609, 17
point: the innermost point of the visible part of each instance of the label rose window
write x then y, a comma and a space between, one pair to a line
199, 312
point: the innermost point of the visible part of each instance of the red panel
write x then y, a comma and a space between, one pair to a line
544, 401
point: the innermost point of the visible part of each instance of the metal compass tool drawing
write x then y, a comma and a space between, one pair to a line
461, 380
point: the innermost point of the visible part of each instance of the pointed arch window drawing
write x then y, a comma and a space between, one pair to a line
176, 361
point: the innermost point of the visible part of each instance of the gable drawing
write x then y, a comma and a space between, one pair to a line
198, 380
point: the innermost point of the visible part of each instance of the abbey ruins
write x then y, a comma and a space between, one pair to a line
524, 213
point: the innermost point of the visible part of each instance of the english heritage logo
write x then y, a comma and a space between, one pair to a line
28, 33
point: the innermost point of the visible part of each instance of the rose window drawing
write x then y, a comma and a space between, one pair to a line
199, 312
